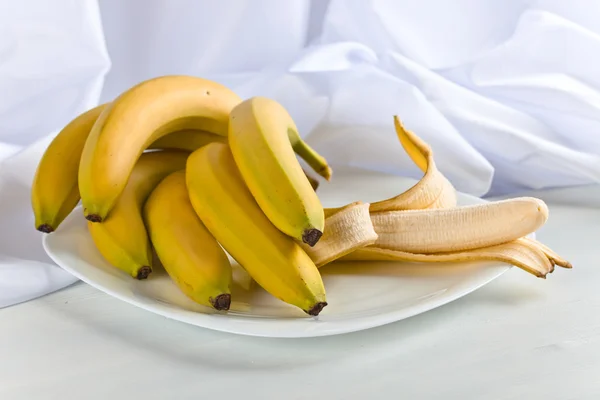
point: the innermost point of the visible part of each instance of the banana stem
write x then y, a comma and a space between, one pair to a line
312, 158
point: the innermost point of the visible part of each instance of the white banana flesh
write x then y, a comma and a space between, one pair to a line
459, 228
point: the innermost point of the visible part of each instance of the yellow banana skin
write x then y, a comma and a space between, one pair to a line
263, 137
224, 204
137, 118
189, 140
122, 238
55, 191
190, 254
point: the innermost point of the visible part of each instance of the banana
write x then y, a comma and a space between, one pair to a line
137, 118
459, 228
441, 231
226, 206
525, 253
189, 253
55, 191
263, 138
122, 238
354, 234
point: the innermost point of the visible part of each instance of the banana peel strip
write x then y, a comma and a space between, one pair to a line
432, 191
525, 253
350, 235
347, 229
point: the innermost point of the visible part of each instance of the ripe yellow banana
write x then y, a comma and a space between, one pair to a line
226, 206
122, 238
189, 253
55, 191
263, 138
137, 118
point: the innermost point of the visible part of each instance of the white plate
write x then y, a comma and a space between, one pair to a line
361, 295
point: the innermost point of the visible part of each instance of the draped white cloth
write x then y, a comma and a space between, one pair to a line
506, 92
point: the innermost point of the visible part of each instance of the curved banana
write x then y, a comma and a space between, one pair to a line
137, 118
122, 238
274, 260
189, 253
263, 138
55, 191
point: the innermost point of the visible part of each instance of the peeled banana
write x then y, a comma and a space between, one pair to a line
440, 231
122, 238
226, 206
189, 253
55, 190
263, 137
459, 228
137, 118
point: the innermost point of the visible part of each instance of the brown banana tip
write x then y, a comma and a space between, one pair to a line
143, 272
317, 309
93, 218
221, 302
311, 236
45, 228
563, 263
326, 172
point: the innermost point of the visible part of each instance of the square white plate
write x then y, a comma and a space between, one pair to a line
361, 295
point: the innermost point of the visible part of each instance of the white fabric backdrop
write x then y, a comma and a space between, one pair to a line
507, 92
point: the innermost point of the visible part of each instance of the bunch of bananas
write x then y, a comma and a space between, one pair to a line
183, 167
